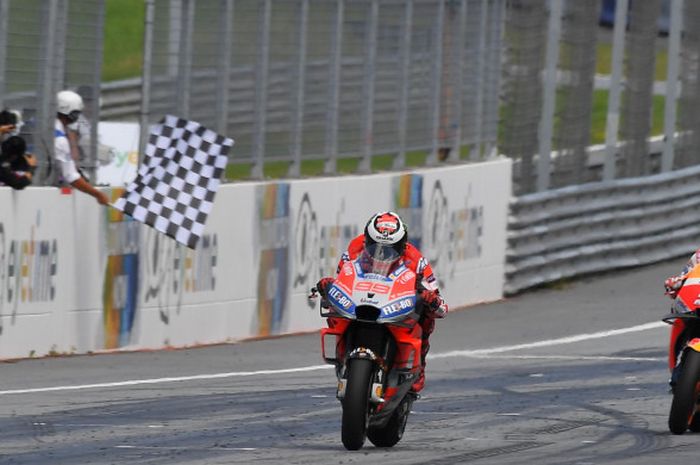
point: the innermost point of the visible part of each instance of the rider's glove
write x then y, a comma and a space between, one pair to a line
312, 296
322, 286
673, 285
432, 301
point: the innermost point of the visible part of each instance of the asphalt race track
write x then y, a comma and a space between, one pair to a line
574, 375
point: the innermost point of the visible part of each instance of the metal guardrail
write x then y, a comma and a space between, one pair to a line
121, 100
602, 226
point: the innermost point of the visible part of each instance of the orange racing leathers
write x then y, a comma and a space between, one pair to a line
672, 286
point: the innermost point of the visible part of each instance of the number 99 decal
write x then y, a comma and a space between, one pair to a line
372, 287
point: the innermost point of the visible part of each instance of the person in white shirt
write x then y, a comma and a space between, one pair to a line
69, 106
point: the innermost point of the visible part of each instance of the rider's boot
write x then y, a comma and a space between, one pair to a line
419, 383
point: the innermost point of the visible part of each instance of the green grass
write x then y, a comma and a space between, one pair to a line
279, 169
599, 115
604, 61
123, 39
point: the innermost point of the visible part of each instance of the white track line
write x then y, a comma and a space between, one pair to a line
551, 342
455, 353
137, 382
607, 358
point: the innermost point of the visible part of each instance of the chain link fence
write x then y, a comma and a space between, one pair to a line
525, 40
300, 80
577, 60
689, 102
294, 80
552, 94
46, 46
637, 100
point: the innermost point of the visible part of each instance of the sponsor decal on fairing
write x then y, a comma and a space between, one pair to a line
397, 306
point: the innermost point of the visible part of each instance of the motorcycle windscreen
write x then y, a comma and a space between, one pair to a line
379, 259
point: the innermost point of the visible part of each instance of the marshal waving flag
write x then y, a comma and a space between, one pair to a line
181, 170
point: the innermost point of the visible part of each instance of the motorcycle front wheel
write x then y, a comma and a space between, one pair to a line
685, 394
356, 403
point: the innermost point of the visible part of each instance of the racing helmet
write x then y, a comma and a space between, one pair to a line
70, 104
385, 243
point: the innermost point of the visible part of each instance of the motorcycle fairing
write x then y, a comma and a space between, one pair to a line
685, 306
688, 299
341, 301
393, 295
360, 300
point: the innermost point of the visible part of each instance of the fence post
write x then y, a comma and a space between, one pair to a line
261, 77
224, 74
437, 85
674, 45
59, 46
638, 100
494, 75
175, 19
458, 63
46, 94
184, 75
298, 110
549, 91
367, 123
334, 90
475, 152
613, 119
95, 85
405, 54
146, 76
4, 11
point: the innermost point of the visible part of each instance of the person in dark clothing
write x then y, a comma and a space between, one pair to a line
8, 124
16, 166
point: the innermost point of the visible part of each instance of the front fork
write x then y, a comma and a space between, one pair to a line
406, 362
377, 390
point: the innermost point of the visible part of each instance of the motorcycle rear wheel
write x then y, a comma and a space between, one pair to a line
356, 403
694, 425
685, 394
392, 432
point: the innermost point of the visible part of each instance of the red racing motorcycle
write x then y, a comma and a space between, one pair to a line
684, 356
374, 340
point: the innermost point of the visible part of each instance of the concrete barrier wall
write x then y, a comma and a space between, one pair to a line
79, 278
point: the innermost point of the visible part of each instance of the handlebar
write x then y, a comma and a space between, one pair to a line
670, 317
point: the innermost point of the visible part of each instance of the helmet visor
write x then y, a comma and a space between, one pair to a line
379, 259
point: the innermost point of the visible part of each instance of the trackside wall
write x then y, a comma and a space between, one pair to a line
78, 278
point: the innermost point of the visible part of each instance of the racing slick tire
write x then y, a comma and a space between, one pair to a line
392, 432
685, 394
356, 403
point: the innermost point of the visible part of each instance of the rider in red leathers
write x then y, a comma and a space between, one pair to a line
672, 285
386, 235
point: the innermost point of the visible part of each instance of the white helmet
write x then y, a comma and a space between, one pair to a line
69, 103
385, 243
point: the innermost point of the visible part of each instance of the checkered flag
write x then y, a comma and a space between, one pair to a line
177, 180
